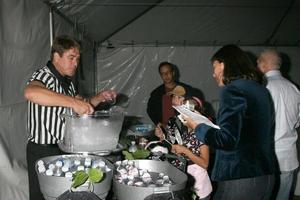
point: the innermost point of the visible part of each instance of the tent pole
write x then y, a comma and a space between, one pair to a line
53, 9
51, 26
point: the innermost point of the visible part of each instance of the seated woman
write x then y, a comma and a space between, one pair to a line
196, 152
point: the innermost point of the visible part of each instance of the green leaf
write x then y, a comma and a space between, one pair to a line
79, 178
128, 156
95, 175
141, 154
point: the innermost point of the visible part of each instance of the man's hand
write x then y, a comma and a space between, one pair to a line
81, 107
103, 96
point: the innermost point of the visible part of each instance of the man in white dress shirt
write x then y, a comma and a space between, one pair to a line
286, 98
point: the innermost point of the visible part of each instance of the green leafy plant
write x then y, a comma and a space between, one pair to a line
128, 155
80, 177
138, 154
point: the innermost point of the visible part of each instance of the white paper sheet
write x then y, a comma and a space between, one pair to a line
198, 118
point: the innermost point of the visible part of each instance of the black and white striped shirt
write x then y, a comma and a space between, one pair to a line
45, 123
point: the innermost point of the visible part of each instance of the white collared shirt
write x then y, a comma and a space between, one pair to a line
286, 98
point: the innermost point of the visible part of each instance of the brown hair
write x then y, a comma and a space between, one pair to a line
62, 44
237, 64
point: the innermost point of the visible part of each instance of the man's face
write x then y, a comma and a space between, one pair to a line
166, 74
68, 62
261, 63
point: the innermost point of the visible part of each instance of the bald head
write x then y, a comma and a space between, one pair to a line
268, 60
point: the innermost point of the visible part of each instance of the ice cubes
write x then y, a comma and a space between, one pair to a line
127, 173
65, 165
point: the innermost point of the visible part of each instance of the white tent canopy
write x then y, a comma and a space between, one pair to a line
123, 43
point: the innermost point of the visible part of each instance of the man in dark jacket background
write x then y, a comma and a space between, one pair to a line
159, 107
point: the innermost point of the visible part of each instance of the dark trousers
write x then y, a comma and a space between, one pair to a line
35, 152
257, 188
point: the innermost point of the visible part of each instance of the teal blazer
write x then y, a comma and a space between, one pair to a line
245, 141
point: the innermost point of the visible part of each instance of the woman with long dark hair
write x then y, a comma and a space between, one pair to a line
245, 158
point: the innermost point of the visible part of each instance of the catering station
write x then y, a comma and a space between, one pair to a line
118, 45
98, 142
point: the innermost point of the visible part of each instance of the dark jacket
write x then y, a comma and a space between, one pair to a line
154, 105
245, 141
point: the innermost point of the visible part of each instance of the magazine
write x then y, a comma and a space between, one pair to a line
197, 117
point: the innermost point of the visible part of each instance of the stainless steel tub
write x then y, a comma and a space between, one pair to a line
53, 186
126, 192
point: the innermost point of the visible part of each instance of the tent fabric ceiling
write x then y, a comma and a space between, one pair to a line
189, 22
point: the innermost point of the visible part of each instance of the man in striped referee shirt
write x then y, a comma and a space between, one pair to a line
50, 92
